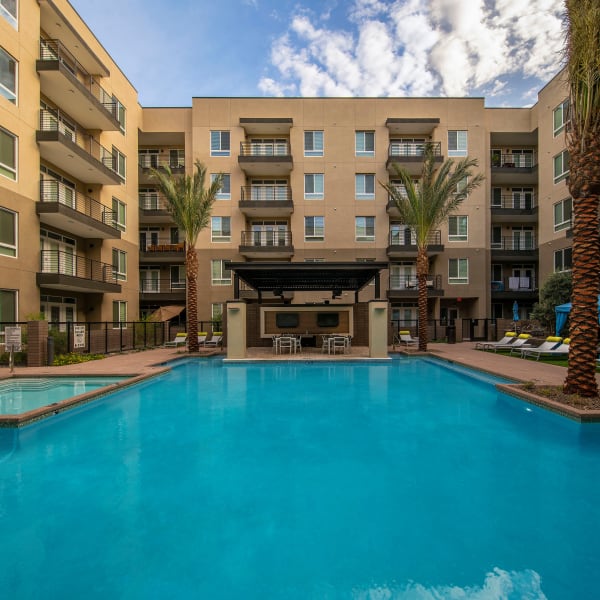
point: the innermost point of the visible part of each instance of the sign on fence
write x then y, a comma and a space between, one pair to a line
12, 339
79, 336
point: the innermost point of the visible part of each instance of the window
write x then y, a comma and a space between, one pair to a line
314, 186
119, 313
119, 214
365, 186
365, 143
563, 212
8, 309
457, 143
119, 264
314, 229
458, 228
313, 143
8, 232
219, 143
119, 113
225, 192
220, 229
364, 229
496, 197
561, 116
220, 275
176, 158
8, 76
458, 270
119, 162
8, 155
561, 166
8, 9
177, 277
563, 260
216, 314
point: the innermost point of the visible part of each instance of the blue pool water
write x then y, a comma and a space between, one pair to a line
403, 479
23, 394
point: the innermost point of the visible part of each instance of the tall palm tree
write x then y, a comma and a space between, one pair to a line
582, 53
190, 204
425, 206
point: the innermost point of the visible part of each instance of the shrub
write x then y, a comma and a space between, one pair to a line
73, 358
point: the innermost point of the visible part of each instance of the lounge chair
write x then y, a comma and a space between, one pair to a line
521, 341
404, 337
560, 351
202, 338
549, 343
509, 337
215, 340
179, 340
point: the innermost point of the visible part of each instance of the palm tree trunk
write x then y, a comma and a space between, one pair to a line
191, 273
422, 271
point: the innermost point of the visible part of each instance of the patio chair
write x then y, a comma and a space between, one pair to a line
509, 337
521, 341
549, 343
559, 351
179, 340
215, 340
404, 337
338, 342
285, 343
202, 338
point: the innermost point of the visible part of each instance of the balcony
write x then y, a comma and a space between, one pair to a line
156, 249
153, 208
512, 288
409, 156
162, 290
511, 249
266, 244
405, 286
403, 244
70, 86
514, 169
176, 164
417, 126
272, 159
76, 153
68, 272
266, 201
510, 208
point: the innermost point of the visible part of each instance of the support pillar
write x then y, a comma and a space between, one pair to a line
37, 343
378, 329
236, 330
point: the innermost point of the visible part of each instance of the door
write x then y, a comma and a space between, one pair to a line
522, 198
150, 281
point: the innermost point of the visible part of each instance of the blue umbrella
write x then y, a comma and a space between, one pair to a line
515, 311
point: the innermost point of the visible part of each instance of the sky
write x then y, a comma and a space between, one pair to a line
503, 50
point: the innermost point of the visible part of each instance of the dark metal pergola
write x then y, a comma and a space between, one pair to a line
278, 277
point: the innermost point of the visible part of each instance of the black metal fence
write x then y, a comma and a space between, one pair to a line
471, 329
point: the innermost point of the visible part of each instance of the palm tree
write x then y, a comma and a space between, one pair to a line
425, 206
190, 205
582, 53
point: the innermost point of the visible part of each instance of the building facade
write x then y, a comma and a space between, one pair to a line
86, 235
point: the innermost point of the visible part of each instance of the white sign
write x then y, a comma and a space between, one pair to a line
79, 336
12, 339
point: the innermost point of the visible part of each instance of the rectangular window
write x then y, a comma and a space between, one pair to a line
8, 154
496, 197
177, 277
220, 143
563, 260
365, 186
563, 212
119, 313
220, 229
365, 143
561, 166
8, 232
8, 10
457, 143
120, 113
458, 228
8, 76
314, 229
313, 143
119, 214
8, 309
314, 184
225, 191
364, 229
119, 264
176, 158
458, 270
561, 116
119, 162
220, 275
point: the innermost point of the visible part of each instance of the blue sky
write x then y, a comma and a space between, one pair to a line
505, 50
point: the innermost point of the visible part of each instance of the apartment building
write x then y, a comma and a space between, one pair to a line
301, 184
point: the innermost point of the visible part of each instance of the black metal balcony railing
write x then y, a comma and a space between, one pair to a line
52, 120
515, 202
410, 282
53, 191
152, 201
516, 244
155, 161
264, 149
160, 244
266, 193
517, 160
53, 50
161, 286
266, 239
515, 284
407, 237
412, 149
63, 263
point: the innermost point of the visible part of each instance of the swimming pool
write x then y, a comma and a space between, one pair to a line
402, 479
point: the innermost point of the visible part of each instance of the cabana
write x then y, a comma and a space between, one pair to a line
562, 312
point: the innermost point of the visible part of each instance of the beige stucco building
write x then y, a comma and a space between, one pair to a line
302, 184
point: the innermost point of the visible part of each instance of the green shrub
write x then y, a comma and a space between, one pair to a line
73, 358
20, 358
